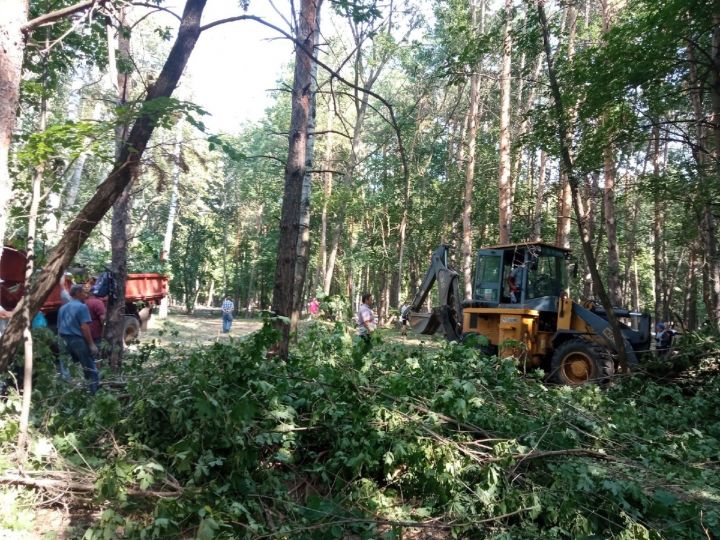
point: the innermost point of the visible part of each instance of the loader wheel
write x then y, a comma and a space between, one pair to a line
131, 331
578, 362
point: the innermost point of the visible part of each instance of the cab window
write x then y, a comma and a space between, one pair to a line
547, 276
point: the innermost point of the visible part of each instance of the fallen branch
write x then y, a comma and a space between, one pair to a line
78, 487
537, 454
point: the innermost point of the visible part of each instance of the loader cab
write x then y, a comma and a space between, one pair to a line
519, 273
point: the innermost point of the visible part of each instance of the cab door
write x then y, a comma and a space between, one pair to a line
488, 276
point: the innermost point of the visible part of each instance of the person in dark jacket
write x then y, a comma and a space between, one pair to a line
664, 337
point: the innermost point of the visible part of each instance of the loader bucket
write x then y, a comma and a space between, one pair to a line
426, 322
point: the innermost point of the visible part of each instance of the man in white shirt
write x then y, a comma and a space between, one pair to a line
366, 318
228, 306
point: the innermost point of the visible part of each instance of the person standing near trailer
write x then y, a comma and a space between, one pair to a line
74, 330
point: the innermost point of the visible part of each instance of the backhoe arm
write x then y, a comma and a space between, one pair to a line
448, 314
438, 262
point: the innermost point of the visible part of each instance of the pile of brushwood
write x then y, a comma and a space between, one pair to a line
440, 442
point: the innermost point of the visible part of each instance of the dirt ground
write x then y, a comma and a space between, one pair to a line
203, 326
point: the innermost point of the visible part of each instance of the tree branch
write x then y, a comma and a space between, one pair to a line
78, 487
53, 16
158, 8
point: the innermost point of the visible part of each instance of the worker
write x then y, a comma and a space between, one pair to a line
64, 280
404, 314
314, 308
97, 310
227, 314
366, 318
4, 318
74, 330
664, 338
515, 279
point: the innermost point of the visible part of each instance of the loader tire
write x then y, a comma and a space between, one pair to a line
578, 361
131, 330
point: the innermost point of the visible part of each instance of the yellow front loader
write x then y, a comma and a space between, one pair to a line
521, 308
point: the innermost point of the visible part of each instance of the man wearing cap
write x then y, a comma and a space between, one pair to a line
74, 330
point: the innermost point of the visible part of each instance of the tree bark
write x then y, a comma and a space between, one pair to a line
303, 245
472, 118
565, 205
504, 179
563, 138
613, 254
120, 223
690, 303
658, 229
12, 44
110, 190
172, 212
22, 444
707, 165
327, 193
711, 240
286, 283
539, 198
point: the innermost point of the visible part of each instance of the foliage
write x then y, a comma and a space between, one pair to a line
335, 443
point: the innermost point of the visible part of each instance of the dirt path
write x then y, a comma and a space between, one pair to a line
203, 326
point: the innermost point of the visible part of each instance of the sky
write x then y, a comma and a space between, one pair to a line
234, 65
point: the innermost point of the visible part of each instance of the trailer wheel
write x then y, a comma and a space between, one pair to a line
578, 361
132, 330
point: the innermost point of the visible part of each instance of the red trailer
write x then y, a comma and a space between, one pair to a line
142, 292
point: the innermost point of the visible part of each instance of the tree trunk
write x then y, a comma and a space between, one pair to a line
539, 198
690, 303
254, 265
12, 45
504, 179
110, 190
613, 254
211, 293
286, 282
565, 204
327, 193
303, 245
120, 223
472, 119
563, 137
658, 229
711, 240
73, 187
332, 258
172, 212
524, 106
707, 169
592, 190
611, 228
22, 444
348, 174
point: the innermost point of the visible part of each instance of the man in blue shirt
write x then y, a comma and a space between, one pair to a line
74, 330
